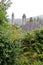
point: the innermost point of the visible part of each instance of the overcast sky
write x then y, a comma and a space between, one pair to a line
29, 7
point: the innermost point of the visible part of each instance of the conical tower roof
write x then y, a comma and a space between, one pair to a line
24, 16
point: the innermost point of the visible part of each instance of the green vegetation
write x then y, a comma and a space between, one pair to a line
17, 48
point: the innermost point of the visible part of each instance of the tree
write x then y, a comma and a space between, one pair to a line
4, 4
31, 19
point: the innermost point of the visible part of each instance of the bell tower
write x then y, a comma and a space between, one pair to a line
23, 19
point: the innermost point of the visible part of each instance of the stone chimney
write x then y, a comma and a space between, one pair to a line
23, 19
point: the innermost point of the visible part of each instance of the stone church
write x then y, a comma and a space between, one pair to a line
27, 26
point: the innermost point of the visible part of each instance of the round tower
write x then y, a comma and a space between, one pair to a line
12, 18
23, 19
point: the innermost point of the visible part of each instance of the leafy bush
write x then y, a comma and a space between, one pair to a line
33, 46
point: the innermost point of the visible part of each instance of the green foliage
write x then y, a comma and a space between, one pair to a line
10, 50
26, 49
4, 4
33, 47
37, 63
17, 48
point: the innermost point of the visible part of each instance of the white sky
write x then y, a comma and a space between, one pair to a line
29, 7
